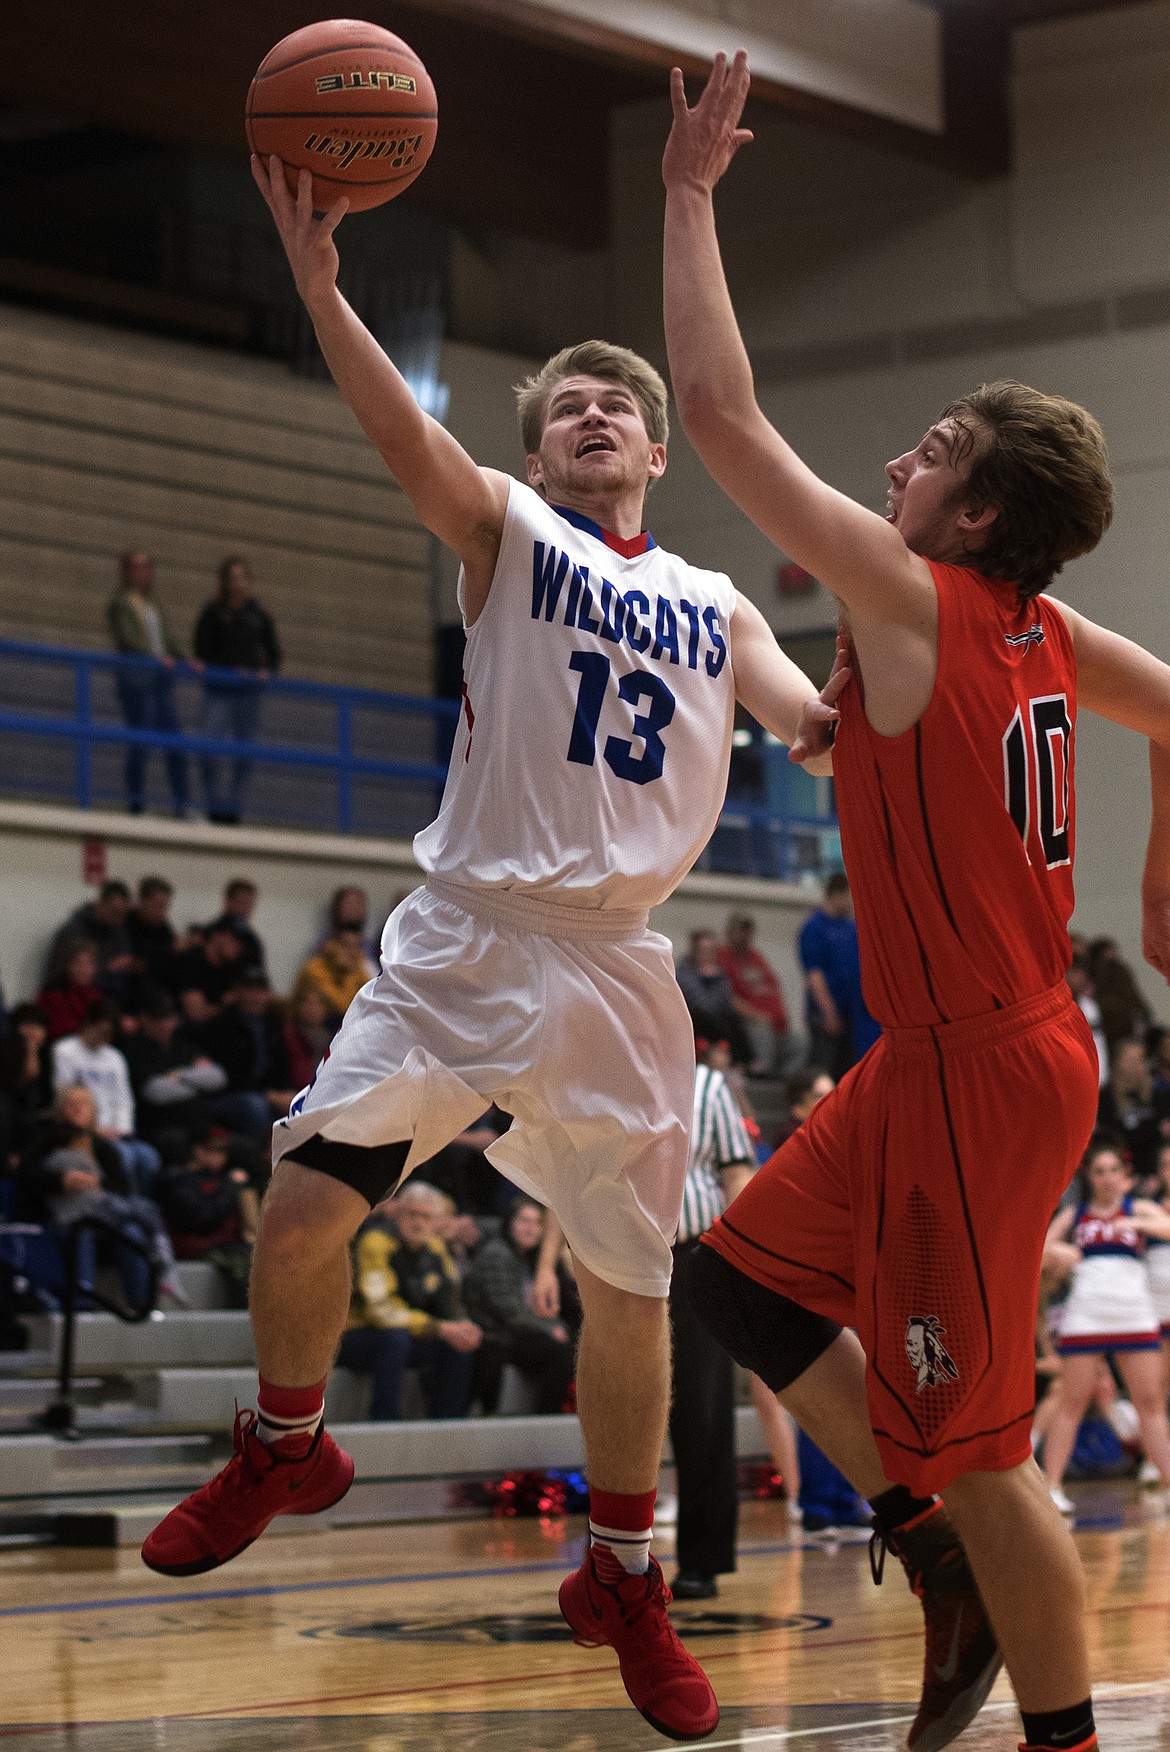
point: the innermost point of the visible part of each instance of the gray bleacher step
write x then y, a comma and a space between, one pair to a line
103, 1344
203, 1285
32, 1394
195, 1398
107, 1522
18, 1365
91, 1453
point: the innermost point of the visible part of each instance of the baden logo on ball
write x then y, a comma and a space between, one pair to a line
349, 102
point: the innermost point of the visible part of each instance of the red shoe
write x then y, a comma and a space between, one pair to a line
1089, 1745
962, 1654
662, 1681
218, 1522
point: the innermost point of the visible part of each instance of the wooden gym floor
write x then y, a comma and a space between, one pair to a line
446, 1636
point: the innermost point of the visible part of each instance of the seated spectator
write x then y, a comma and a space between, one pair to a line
239, 904
406, 1311
707, 990
462, 1171
338, 970
101, 925
74, 1172
90, 1058
802, 1091
349, 910
212, 1210
26, 1081
65, 1000
151, 933
756, 993
840, 1026
173, 1079
306, 1035
247, 1040
498, 1294
1132, 1109
1124, 1012
202, 975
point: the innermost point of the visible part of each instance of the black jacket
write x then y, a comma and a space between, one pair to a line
237, 638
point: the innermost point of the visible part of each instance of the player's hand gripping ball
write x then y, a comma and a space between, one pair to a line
350, 102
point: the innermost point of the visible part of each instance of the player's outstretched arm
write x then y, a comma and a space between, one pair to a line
1127, 684
461, 503
779, 695
855, 553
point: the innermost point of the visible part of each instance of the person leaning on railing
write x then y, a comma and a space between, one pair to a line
146, 693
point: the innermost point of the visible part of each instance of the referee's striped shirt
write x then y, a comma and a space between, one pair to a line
718, 1139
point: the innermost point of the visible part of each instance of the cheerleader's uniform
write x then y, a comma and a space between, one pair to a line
1110, 1304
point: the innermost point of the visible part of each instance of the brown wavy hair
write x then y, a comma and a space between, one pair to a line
592, 359
1041, 462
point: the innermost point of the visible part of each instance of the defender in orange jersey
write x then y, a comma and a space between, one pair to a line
912, 1206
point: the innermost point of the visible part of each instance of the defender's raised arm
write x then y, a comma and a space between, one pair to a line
856, 554
458, 501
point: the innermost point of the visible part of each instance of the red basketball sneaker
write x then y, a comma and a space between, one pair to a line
962, 1655
217, 1522
665, 1683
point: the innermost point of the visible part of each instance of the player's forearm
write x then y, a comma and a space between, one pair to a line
709, 367
369, 380
1156, 876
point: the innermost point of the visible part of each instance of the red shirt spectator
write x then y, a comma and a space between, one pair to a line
755, 988
64, 1003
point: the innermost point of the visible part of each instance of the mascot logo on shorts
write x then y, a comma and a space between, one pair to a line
927, 1354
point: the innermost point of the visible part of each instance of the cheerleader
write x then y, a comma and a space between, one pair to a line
1158, 1264
1109, 1311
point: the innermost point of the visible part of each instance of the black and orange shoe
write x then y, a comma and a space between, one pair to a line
222, 1519
962, 1654
666, 1684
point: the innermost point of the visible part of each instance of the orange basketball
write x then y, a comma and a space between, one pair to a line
349, 102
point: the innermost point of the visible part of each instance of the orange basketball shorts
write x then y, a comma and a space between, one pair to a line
913, 1206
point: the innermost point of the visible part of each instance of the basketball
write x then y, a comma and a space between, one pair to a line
350, 102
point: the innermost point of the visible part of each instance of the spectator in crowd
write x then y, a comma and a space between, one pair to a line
406, 1311
76, 1172
802, 1091
90, 1058
840, 1027
349, 910
202, 975
338, 971
462, 1171
67, 997
756, 993
247, 1040
702, 1411
233, 633
173, 1079
1080, 984
101, 925
146, 690
239, 904
497, 1293
151, 934
707, 990
306, 1035
1131, 1108
1124, 1012
212, 1209
26, 1081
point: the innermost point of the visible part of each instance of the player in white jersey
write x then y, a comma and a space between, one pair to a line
600, 685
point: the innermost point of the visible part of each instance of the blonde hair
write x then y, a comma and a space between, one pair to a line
1043, 466
592, 359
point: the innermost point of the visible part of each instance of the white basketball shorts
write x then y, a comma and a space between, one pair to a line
571, 1021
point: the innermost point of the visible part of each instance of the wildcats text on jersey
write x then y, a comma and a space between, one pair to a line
651, 630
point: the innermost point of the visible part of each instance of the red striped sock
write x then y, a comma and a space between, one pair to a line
287, 1417
619, 1533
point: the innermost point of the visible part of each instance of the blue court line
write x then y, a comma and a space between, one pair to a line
466, 1575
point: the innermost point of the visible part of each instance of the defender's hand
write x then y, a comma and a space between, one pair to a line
704, 140
819, 717
308, 241
1156, 932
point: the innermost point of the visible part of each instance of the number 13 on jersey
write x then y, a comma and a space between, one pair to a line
635, 688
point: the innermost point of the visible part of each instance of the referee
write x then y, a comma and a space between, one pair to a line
702, 1415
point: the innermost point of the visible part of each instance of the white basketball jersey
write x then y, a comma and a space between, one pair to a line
591, 759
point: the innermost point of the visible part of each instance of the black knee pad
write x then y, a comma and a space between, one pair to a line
373, 1172
767, 1333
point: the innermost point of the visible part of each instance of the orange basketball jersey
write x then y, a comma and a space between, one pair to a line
958, 834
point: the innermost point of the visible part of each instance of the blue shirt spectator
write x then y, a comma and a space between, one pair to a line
840, 1026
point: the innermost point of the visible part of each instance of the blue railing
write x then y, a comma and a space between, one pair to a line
319, 756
